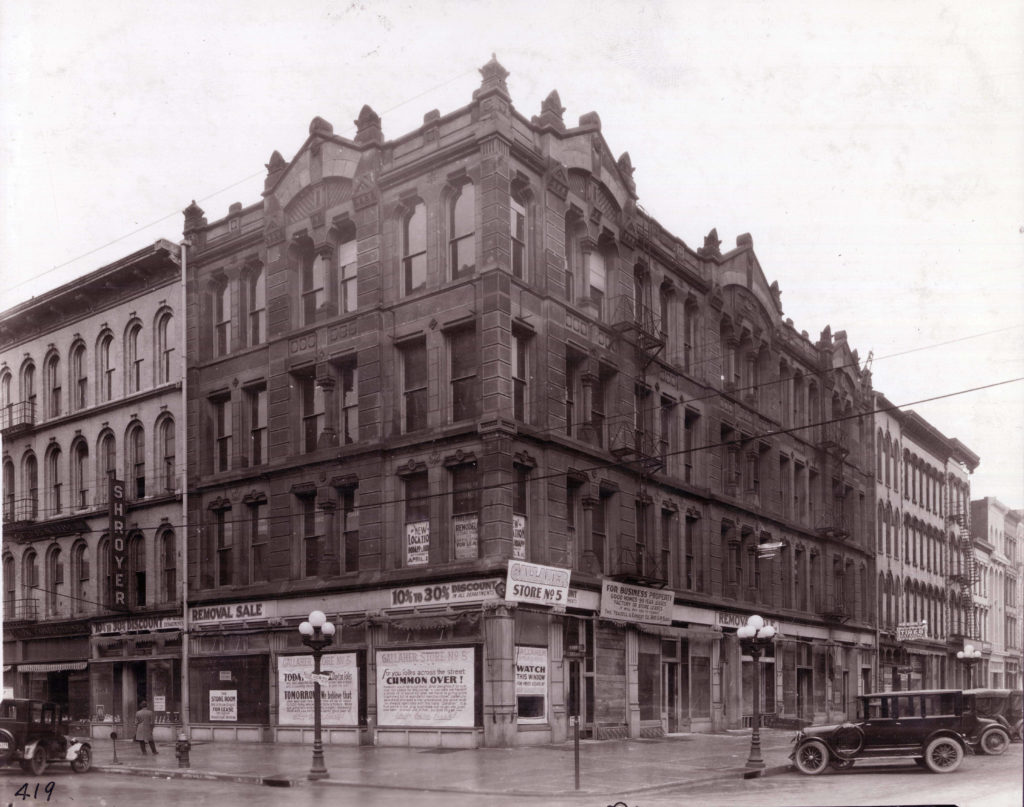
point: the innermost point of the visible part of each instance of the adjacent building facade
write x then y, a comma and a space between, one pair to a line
997, 534
416, 362
90, 391
927, 577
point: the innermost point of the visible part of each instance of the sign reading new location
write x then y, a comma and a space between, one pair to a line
541, 585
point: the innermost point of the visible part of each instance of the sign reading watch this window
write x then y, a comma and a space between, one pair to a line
118, 550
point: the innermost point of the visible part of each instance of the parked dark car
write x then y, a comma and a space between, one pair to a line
933, 727
34, 733
1002, 705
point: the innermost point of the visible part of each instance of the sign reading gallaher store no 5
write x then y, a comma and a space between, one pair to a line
541, 585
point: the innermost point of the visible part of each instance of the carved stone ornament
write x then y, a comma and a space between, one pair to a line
712, 245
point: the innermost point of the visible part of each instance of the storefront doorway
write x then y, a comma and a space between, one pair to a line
804, 701
670, 696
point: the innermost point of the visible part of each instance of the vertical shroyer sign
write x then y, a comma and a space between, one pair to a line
118, 554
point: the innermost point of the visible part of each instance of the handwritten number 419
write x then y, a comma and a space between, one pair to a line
24, 792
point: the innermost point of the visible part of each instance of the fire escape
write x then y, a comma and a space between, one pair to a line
963, 566
635, 445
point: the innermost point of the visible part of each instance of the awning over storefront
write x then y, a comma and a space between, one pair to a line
57, 666
670, 632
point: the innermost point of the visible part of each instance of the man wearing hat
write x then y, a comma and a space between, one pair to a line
144, 719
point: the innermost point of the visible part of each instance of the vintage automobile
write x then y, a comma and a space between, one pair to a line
34, 733
933, 727
1002, 705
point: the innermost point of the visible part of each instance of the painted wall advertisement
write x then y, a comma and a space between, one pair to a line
417, 543
224, 705
425, 687
531, 683
518, 537
636, 603
339, 688
465, 530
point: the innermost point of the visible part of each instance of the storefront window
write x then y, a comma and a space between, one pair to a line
649, 677
700, 680
232, 689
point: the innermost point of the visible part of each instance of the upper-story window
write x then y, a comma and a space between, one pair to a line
28, 387
106, 462
164, 347
461, 228
520, 369
54, 503
462, 345
137, 571
133, 357
414, 384
517, 235
54, 581
221, 318
79, 576
6, 403
465, 511
30, 477
255, 285
105, 367
312, 409
167, 547
256, 404
314, 283
598, 281
8, 487
79, 474
79, 376
135, 461
223, 431
53, 386
348, 272
574, 231
348, 383
414, 249
165, 434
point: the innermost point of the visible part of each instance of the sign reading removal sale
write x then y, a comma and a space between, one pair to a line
425, 687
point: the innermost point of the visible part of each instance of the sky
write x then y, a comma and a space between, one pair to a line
873, 150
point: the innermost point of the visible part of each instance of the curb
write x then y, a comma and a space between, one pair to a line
191, 773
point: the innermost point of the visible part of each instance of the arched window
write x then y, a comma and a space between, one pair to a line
30, 478
28, 389
10, 588
103, 567
135, 461
315, 264
54, 503
53, 386
106, 466
517, 234
137, 570
414, 249
461, 228
79, 576
348, 270
164, 347
79, 376
133, 357
8, 487
166, 449
79, 474
105, 367
29, 574
6, 402
221, 317
168, 549
255, 285
54, 581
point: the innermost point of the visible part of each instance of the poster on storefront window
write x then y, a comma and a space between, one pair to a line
465, 530
338, 690
224, 705
531, 684
417, 543
425, 687
518, 537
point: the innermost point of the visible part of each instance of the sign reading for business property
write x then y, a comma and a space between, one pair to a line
118, 550
624, 602
541, 585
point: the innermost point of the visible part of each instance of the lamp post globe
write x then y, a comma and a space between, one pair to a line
755, 638
317, 633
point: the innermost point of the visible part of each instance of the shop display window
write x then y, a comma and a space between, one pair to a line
230, 689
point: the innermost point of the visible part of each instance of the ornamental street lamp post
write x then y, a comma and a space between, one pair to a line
969, 656
755, 637
317, 634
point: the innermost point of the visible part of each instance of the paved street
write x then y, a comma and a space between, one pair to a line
704, 769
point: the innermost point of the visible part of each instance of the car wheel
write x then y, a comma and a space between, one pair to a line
38, 761
943, 755
8, 746
83, 761
811, 757
847, 742
994, 742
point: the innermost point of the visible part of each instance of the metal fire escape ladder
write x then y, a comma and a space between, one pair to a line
965, 573
634, 320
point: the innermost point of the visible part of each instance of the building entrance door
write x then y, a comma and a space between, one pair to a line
804, 702
670, 697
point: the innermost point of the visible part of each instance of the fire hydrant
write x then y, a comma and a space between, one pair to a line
181, 749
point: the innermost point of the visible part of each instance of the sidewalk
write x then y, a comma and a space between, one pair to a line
606, 767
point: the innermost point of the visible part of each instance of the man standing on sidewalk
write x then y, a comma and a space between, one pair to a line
144, 727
